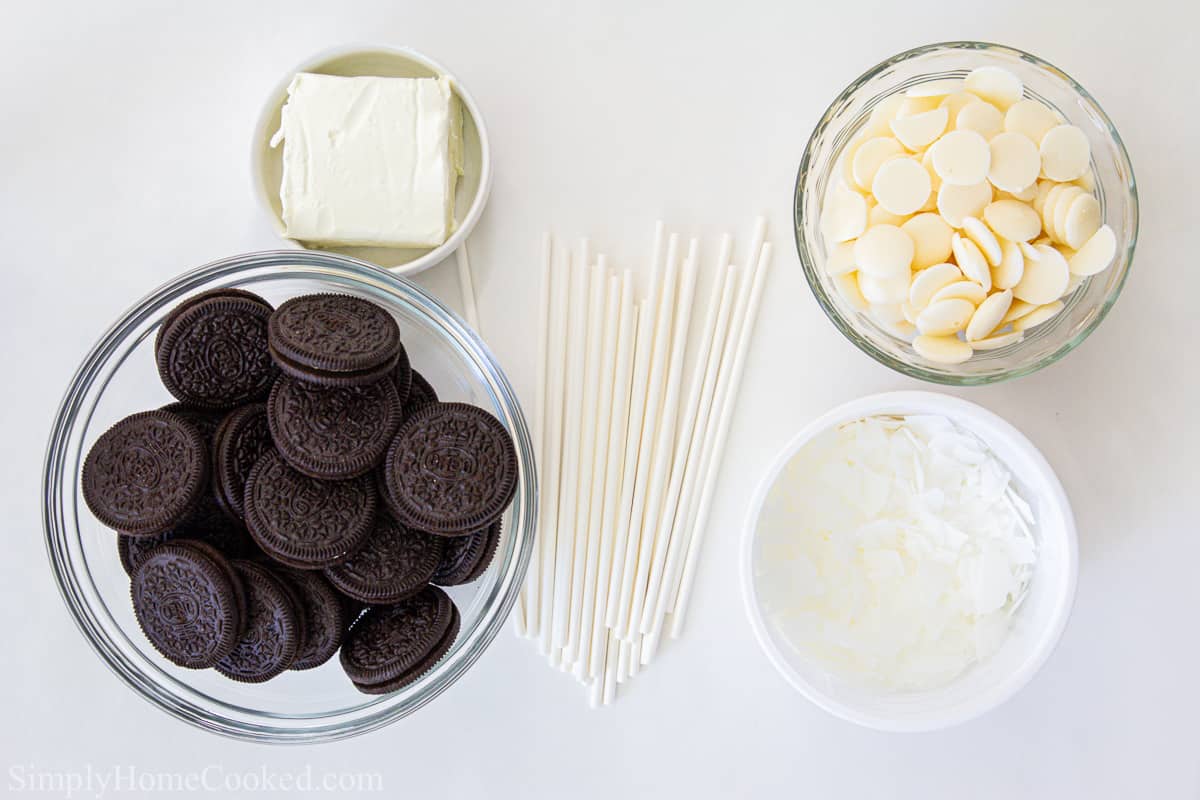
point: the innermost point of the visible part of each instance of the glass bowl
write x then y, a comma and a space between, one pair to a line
118, 377
1111, 171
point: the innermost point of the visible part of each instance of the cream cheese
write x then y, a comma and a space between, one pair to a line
370, 161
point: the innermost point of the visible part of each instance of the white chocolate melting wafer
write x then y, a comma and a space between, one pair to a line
1065, 153
916, 132
971, 261
1038, 316
1096, 253
870, 156
929, 281
1045, 280
956, 203
942, 349
1015, 161
998, 340
994, 84
945, 317
931, 237
1011, 268
1031, 118
844, 216
967, 290
984, 239
988, 315
981, 117
1082, 221
1013, 220
901, 186
961, 157
884, 251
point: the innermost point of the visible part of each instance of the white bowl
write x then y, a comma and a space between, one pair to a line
1037, 624
474, 184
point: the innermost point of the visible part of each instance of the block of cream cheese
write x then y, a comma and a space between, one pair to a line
370, 161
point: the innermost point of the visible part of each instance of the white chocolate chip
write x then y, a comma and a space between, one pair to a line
1050, 206
1018, 309
1065, 153
847, 286
928, 282
942, 349
919, 130
841, 259
983, 238
970, 291
971, 261
1038, 316
1082, 221
961, 158
945, 317
1031, 118
869, 157
1008, 273
886, 290
955, 203
1030, 252
988, 315
884, 251
1096, 253
901, 186
998, 341
1013, 220
994, 84
983, 118
954, 103
1044, 281
1015, 161
1065, 201
845, 215
931, 237
878, 215
939, 88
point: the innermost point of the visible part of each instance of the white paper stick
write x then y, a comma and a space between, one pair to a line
635, 656
568, 489
548, 529
649, 435
466, 285
609, 673
533, 582
653, 537
720, 296
554, 657
679, 612
623, 652
601, 421
649, 647
615, 467
587, 455
643, 355
685, 481
518, 617
694, 481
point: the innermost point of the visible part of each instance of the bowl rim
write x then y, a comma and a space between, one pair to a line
811, 271
437, 254
59, 482
910, 402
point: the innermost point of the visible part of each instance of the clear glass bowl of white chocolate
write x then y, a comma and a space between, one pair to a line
966, 213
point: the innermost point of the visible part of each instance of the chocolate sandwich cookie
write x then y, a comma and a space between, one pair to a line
270, 639
304, 522
393, 563
240, 440
211, 293
132, 550
325, 618
146, 473
334, 339
214, 353
464, 558
394, 645
451, 470
333, 432
209, 522
188, 603
422, 393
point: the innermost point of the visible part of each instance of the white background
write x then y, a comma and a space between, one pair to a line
124, 152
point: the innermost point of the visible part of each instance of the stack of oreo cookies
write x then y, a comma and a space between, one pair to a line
306, 493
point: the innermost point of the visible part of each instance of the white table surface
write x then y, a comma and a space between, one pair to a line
124, 150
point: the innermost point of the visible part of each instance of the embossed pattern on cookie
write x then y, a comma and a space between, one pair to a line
334, 333
333, 432
269, 642
465, 558
241, 439
394, 563
387, 641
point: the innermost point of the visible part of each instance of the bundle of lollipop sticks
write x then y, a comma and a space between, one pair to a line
629, 446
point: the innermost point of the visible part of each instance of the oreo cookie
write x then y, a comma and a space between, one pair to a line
451, 470
325, 618
393, 563
213, 354
334, 339
465, 558
402, 376
146, 473
208, 522
304, 522
391, 646
193, 300
188, 603
240, 440
271, 637
420, 394
333, 432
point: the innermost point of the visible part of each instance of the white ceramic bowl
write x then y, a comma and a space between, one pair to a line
474, 184
1037, 624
